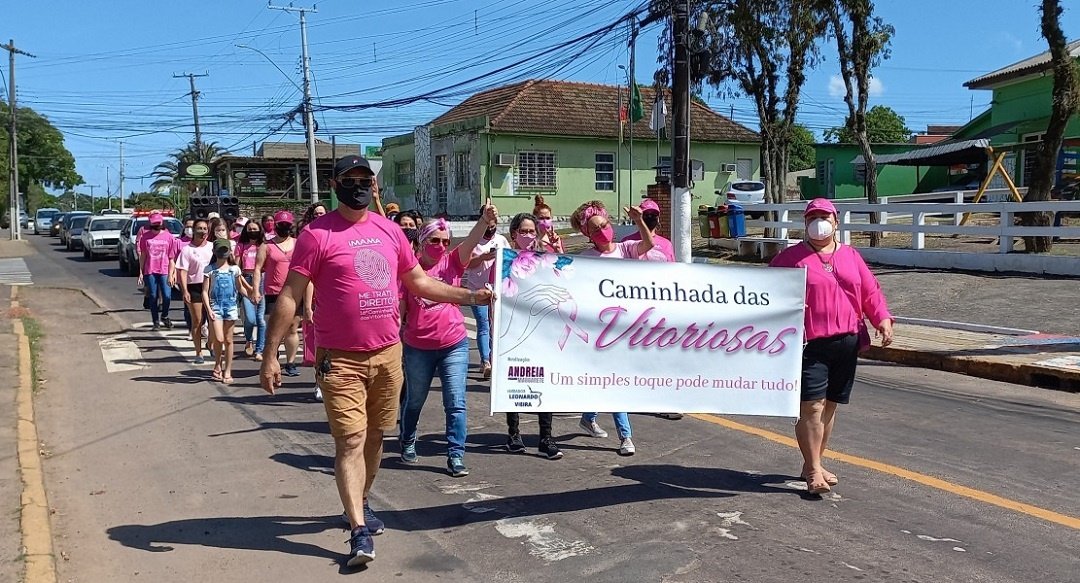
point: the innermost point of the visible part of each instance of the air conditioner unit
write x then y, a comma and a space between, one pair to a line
731, 168
506, 160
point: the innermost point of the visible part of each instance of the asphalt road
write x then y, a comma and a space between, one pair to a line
160, 475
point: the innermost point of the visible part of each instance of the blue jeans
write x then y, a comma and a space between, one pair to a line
622, 422
254, 319
420, 366
483, 333
158, 286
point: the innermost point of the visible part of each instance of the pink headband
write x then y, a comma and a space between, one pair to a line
437, 225
588, 214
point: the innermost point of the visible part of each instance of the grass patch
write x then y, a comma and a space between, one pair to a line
35, 334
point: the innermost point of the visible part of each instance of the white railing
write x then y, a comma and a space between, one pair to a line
1006, 230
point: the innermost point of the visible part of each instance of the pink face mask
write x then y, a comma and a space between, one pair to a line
525, 240
603, 237
435, 251
545, 225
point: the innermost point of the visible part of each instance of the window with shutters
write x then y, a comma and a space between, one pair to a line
461, 171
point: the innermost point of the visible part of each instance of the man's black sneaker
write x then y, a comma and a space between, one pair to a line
156, 327
167, 323
291, 370
372, 522
549, 450
361, 547
514, 444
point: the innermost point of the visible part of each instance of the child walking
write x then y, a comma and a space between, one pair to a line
222, 286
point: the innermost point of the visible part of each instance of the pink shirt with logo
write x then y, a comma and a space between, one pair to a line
157, 249
194, 259
831, 297
432, 325
356, 269
660, 244
626, 250
246, 254
276, 267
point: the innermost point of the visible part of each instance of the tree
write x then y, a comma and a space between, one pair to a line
801, 149
43, 158
862, 41
1066, 103
165, 173
883, 126
760, 49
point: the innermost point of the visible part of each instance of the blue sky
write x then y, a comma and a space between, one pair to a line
104, 70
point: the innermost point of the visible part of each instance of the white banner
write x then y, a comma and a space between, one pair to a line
577, 334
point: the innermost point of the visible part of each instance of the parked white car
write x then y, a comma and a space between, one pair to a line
744, 193
101, 235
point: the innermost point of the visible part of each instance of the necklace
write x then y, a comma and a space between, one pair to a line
826, 264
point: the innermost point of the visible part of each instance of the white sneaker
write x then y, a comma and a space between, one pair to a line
592, 428
318, 394
627, 447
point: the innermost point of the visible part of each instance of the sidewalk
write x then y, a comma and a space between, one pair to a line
1042, 360
11, 554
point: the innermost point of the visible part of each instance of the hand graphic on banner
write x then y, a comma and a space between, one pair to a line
542, 301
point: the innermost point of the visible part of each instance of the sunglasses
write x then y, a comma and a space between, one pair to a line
438, 241
350, 182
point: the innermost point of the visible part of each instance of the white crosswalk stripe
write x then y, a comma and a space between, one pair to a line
13, 271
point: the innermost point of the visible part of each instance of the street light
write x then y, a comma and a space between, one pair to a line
271, 61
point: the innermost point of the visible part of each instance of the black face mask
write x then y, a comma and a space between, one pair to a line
351, 194
255, 236
413, 235
651, 221
283, 230
489, 233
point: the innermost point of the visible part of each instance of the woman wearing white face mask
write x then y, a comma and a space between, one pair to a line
840, 292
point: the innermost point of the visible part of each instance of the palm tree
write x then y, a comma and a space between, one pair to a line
165, 173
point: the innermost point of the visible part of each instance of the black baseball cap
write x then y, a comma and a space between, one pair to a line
347, 163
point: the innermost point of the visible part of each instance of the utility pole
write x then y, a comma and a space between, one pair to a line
680, 144
309, 117
13, 171
121, 197
194, 106
108, 188
632, 86
91, 187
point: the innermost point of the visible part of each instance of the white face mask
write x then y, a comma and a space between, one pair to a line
188, 232
819, 229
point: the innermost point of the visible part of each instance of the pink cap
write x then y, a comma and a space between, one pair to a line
156, 219
649, 205
283, 217
820, 204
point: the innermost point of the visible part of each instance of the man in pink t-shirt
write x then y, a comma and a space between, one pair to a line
356, 260
157, 253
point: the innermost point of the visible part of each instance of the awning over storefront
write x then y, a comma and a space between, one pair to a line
945, 154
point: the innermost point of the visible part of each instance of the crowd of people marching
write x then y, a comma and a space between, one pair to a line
369, 297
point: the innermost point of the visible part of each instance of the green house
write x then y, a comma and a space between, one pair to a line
1020, 112
837, 175
557, 139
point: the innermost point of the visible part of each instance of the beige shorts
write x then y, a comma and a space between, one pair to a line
361, 389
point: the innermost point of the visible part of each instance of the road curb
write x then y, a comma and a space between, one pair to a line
1021, 374
34, 519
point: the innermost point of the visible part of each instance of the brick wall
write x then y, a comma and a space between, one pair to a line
661, 193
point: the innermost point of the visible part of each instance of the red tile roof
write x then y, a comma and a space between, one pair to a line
566, 108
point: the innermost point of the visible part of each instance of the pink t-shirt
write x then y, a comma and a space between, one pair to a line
247, 253
430, 325
276, 267
626, 250
660, 244
194, 259
831, 297
356, 268
157, 249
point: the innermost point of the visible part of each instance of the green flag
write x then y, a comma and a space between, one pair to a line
637, 112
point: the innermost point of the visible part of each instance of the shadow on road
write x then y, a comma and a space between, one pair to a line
257, 533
